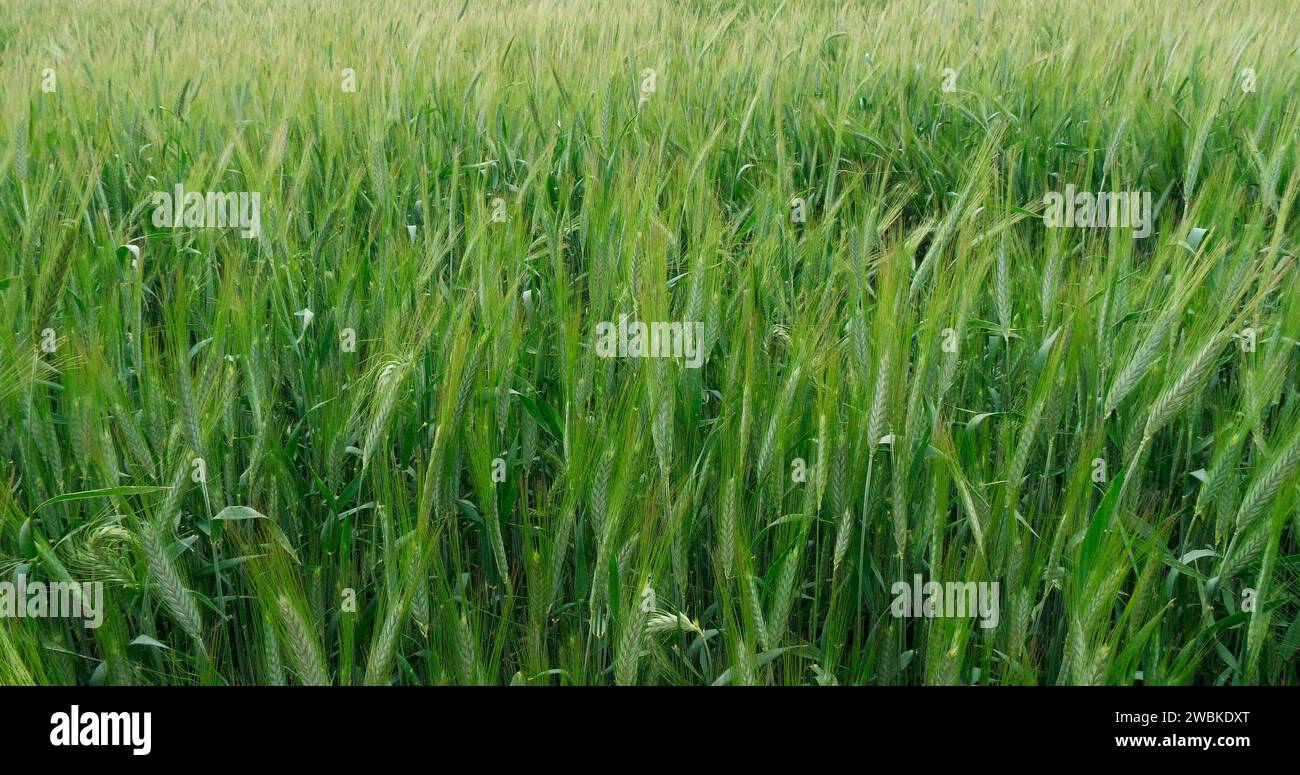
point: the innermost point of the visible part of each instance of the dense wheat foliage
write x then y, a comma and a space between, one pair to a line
904, 371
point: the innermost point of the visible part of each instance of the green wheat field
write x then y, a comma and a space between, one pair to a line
375, 438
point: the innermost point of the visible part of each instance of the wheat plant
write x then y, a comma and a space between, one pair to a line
375, 437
